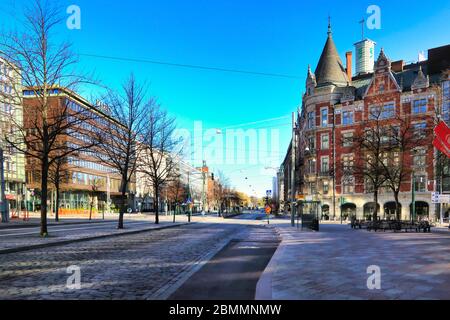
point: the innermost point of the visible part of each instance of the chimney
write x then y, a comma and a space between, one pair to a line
349, 58
397, 66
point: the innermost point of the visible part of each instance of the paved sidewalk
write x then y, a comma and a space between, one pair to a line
28, 238
332, 264
34, 220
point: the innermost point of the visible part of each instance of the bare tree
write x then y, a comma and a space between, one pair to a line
176, 192
159, 160
42, 67
404, 138
223, 191
118, 140
368, 166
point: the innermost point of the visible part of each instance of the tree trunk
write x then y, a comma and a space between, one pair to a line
57, 202
398, 214
90, 208
375, 199
123, 197
175, 212
156, 190
44, 194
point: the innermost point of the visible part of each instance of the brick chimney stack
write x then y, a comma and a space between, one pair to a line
349, 59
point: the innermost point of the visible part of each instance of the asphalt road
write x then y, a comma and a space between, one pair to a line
233, 273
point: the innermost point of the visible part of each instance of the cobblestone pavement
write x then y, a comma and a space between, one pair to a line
126, 267
332, 264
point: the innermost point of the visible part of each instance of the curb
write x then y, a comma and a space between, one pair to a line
264, 286
104, 236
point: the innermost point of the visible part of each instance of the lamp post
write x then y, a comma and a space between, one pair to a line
413, 196
3, 208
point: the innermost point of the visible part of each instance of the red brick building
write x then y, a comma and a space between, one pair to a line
338, 108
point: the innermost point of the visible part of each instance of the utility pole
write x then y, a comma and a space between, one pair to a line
3, 208
293, 151
413, 196
189, 197
203, 187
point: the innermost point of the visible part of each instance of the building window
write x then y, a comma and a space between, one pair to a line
348, 163
420, 106
420, 130
419, 158
374, 113
325, 187
325, 165
446, 100
312, 143
311, 118
347, 139
311, 166
312, 188
347, 118
420, 183
325, 141
324, 117
388, 111
348, 185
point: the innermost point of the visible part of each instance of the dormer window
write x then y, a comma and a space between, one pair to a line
420, 106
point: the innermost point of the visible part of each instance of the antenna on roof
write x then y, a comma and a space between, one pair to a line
329, 25
362, 22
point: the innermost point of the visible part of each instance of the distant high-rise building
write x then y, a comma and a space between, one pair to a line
365, 56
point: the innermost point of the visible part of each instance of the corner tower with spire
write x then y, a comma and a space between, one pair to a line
330, 70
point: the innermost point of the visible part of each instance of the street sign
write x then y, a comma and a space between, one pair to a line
436, 198
269, 193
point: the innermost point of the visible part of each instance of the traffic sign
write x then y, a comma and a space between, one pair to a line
268, 209
269, 193
436, 198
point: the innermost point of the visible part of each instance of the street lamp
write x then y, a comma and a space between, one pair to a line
3, 205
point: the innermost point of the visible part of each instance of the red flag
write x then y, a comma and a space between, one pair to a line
437, 142
443, 133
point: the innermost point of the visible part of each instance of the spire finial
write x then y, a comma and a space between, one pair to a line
329, 26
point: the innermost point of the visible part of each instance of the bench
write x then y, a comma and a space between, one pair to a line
425, 226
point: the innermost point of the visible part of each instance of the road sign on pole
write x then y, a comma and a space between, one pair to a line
436, 198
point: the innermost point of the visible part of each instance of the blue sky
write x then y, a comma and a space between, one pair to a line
267, 36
